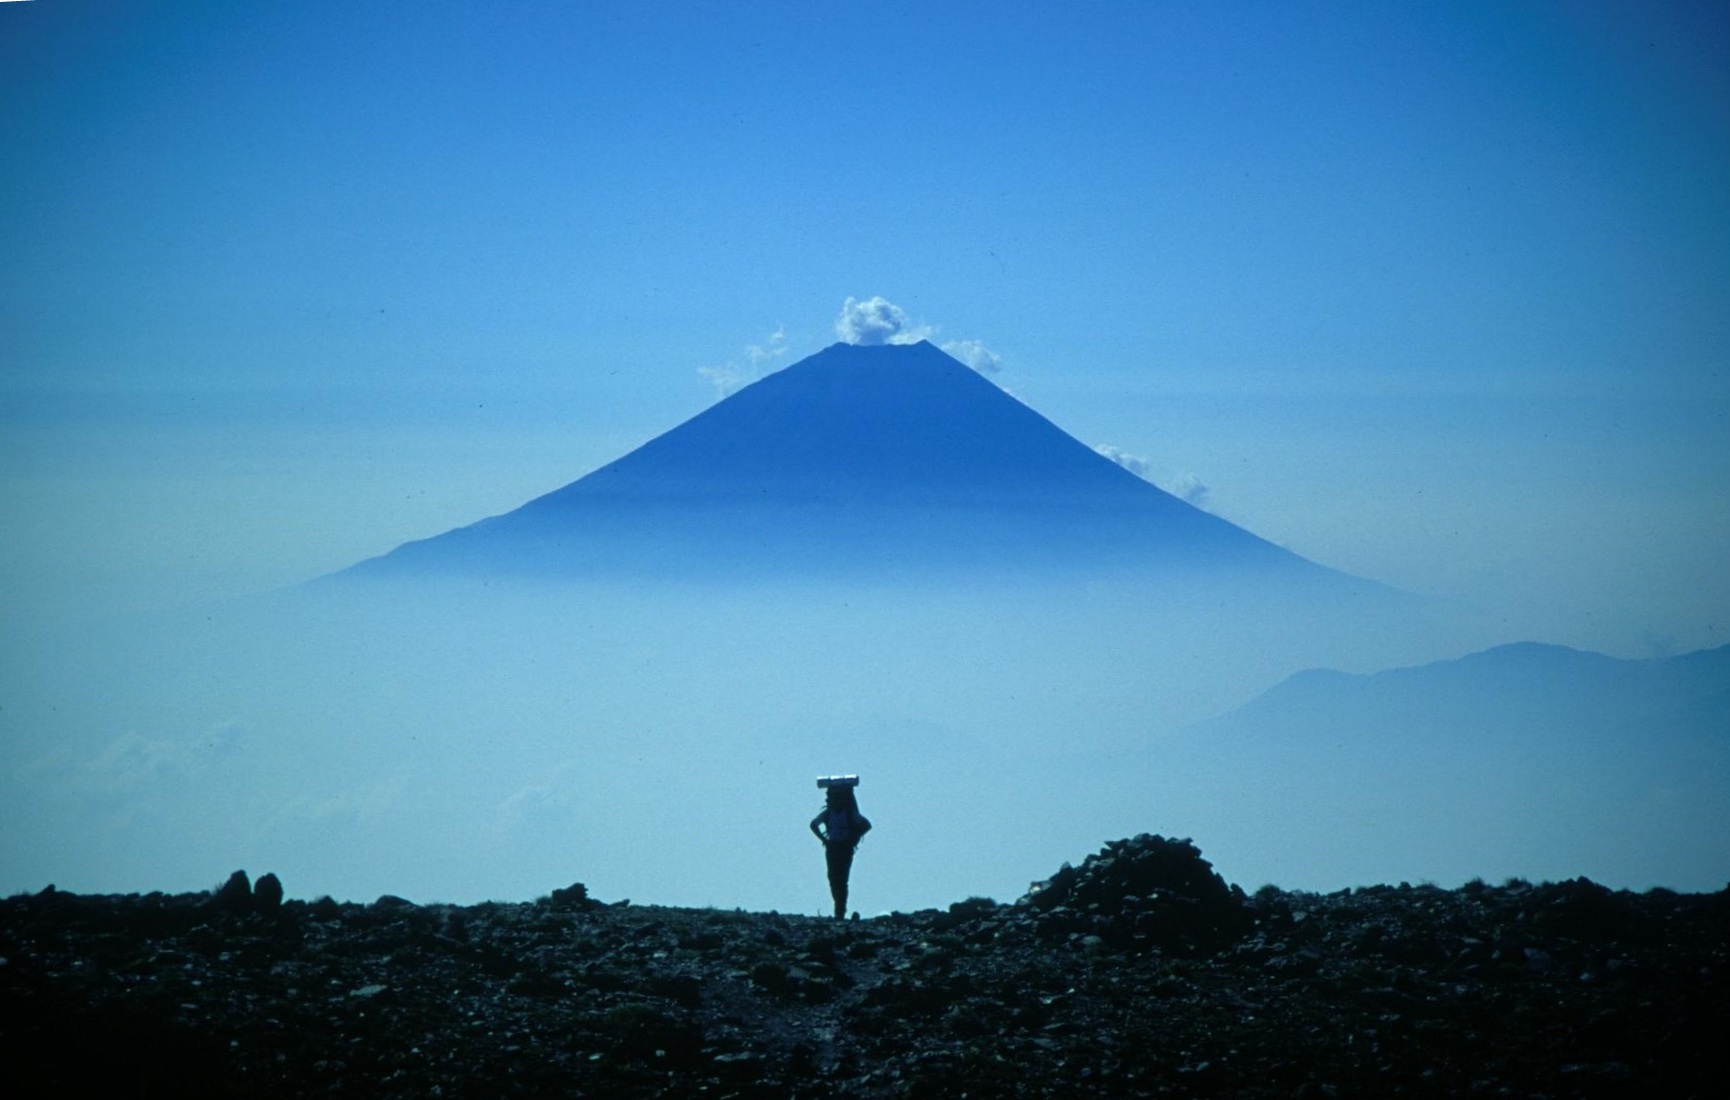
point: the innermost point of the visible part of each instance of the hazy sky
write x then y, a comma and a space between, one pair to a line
1438, 294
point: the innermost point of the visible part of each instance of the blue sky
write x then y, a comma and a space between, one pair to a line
1439, 294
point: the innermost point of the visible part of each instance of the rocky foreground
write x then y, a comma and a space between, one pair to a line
1139, 973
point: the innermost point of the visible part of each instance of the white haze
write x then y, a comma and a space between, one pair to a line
888, 567
456, 743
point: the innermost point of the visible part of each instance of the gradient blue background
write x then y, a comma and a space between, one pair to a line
1434, 293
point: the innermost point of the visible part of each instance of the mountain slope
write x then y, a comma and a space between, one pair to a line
1524, 759
1521, 694
889, 458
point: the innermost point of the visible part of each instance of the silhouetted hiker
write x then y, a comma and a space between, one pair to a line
840, 827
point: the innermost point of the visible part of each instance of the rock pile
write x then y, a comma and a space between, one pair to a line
1142, 893
239, 896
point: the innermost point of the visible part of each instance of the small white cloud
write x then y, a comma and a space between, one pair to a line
538, 808
760, 358
975, 354
370, 805
726, 380
132, 762
135, 763
1185, 486
769, 350
877, 320
1135, 464
541, 809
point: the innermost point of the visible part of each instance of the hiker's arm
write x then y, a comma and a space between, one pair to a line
816, 828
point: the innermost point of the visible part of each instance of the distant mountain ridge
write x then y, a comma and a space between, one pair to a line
890, 458
1519, 678
1486, 763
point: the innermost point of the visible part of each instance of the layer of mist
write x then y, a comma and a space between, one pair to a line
460, 741
874, 561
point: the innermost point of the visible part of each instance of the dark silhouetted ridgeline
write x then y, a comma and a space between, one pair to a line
1138, 973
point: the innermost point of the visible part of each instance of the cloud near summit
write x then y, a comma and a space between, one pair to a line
975, 354
877, 320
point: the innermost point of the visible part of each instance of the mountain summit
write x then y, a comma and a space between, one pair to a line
892, 459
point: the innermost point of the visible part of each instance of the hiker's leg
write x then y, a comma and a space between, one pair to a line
840, 864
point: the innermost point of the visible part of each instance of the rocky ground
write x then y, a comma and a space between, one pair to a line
1139, 973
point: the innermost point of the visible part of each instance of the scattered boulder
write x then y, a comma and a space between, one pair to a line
233, 897
966, 912
574, 896
267, 894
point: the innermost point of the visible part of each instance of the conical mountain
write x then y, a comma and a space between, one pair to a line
892, 459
